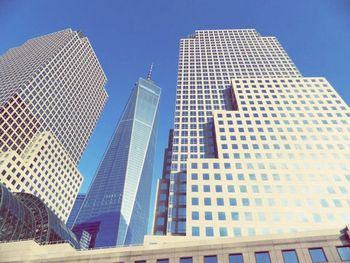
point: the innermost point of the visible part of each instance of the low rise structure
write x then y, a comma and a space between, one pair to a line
308, 247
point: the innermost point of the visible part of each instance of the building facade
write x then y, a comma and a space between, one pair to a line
75, 210
115, 210
51, 83
256, 148
52, 93
331, 246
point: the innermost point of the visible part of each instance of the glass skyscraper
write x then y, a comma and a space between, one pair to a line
256, 148
115, 210
75, 210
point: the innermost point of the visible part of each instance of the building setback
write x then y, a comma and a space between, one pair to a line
115, 210
52, 93
256, 147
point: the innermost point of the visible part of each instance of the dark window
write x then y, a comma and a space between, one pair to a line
165, 260
210, 259
290, 256
317, 255
344, 253
185, 260
236, 258
262, 257
140, 261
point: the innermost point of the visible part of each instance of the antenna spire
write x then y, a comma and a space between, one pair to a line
150, 72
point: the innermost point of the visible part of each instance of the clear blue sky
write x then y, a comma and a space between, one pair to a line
129, 35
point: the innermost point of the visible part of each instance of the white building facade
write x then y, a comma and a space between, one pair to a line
256, 148
51, 87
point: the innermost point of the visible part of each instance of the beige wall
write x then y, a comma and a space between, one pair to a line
183, 247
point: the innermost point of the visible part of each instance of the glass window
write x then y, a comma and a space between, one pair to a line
290, 256
317, 255
245, 201
233, 202
186, 260
195, 231
234, 216
262, 257
344, 253
236, 258
207, 201
209, 231
140, 261
210, 259
223, 231
221, 216
220, 201
165, 260
208, 216
237, 231
195, 201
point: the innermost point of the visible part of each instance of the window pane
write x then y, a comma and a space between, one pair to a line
236, 258
185, 260
344, 253
262, 257
163, 260
317, 255
210, 259
140, 261
290, 256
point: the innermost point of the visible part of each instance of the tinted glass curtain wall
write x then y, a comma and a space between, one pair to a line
115, 210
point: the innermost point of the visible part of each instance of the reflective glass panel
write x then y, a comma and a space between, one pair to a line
262, 257
344, 253
290, 256
317, 255
185, 260
236, 258
210, 259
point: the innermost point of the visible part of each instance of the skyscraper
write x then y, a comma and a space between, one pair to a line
75, 210
115, 210
256, 147
52, 93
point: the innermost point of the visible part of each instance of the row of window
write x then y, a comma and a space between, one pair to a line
289, 256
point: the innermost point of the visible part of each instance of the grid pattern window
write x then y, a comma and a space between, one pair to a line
283, 162
44, 170
18, 125
208, 60
61, 82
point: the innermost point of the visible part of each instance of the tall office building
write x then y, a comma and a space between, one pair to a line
115, 210
52, 93
75, 210
256, 147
